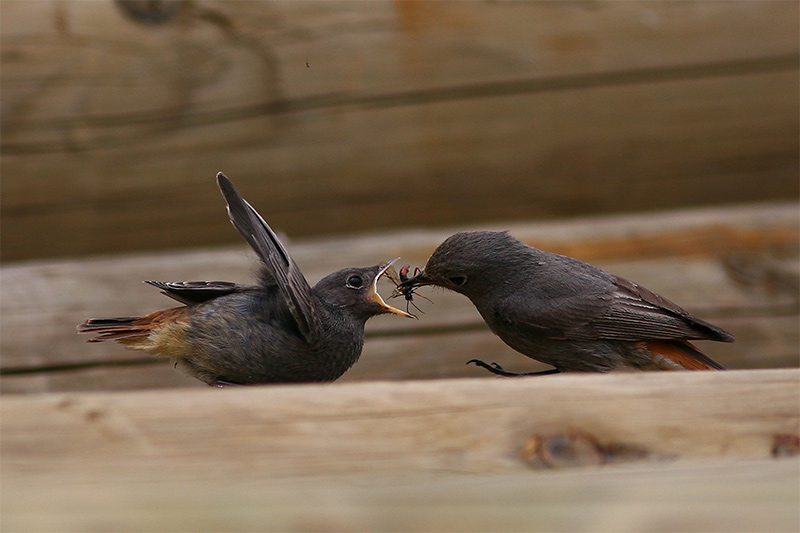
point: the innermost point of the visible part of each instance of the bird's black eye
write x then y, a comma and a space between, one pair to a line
458, 280
355, 282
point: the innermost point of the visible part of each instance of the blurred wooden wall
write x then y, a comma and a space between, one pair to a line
348, 116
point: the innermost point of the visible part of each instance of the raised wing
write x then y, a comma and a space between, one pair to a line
195, 292
291, 282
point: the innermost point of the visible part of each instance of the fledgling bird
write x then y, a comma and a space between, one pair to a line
564, 312
278, 331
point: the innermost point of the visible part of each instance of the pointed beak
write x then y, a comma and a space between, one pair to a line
384, 269
417, 281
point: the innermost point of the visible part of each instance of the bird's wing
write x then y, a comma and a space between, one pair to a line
623, 311
291, 282
637, 313
552, 317
195, 292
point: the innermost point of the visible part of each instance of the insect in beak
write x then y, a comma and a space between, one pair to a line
390, 273
401, 289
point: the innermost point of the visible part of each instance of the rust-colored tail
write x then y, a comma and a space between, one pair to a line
108, 329
130, 329
683, 353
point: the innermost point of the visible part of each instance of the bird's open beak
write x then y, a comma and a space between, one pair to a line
377, 297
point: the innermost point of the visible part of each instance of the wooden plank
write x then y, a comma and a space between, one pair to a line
344, 455
476, 182
736, 266
138, 374
388, 427
441, 113
709, 497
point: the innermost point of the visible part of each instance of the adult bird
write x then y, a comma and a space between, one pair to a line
564, 312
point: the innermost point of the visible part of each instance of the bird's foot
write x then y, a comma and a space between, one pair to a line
494, 368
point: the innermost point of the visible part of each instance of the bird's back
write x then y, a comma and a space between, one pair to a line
261, 343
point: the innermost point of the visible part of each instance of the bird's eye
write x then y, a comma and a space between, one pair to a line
458, 280
355, 282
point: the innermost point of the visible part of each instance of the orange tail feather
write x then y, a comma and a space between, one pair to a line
130, 329
683, 353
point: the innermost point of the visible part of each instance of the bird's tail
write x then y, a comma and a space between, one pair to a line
684, 354
107, 329
161, 332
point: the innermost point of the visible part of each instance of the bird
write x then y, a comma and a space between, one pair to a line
280, 330
564, 312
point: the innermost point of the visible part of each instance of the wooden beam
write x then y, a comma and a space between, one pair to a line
393, 426
214, 459
435, 113
724, 496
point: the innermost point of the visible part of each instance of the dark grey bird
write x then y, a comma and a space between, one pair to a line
564, 312
278, 331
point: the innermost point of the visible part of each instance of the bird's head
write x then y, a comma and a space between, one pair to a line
355, 290
469, 263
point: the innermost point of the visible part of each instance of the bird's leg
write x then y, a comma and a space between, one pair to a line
494, 368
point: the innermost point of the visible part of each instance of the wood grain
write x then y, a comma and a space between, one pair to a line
341, 117
710, 497
426, 455
415, 425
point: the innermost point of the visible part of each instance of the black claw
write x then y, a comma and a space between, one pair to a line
495, 368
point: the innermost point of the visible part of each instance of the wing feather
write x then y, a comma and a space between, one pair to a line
194, 292
610, 308
293, 285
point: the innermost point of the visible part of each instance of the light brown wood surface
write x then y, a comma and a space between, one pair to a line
344, 116
444, 455
737, 267
724, 497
